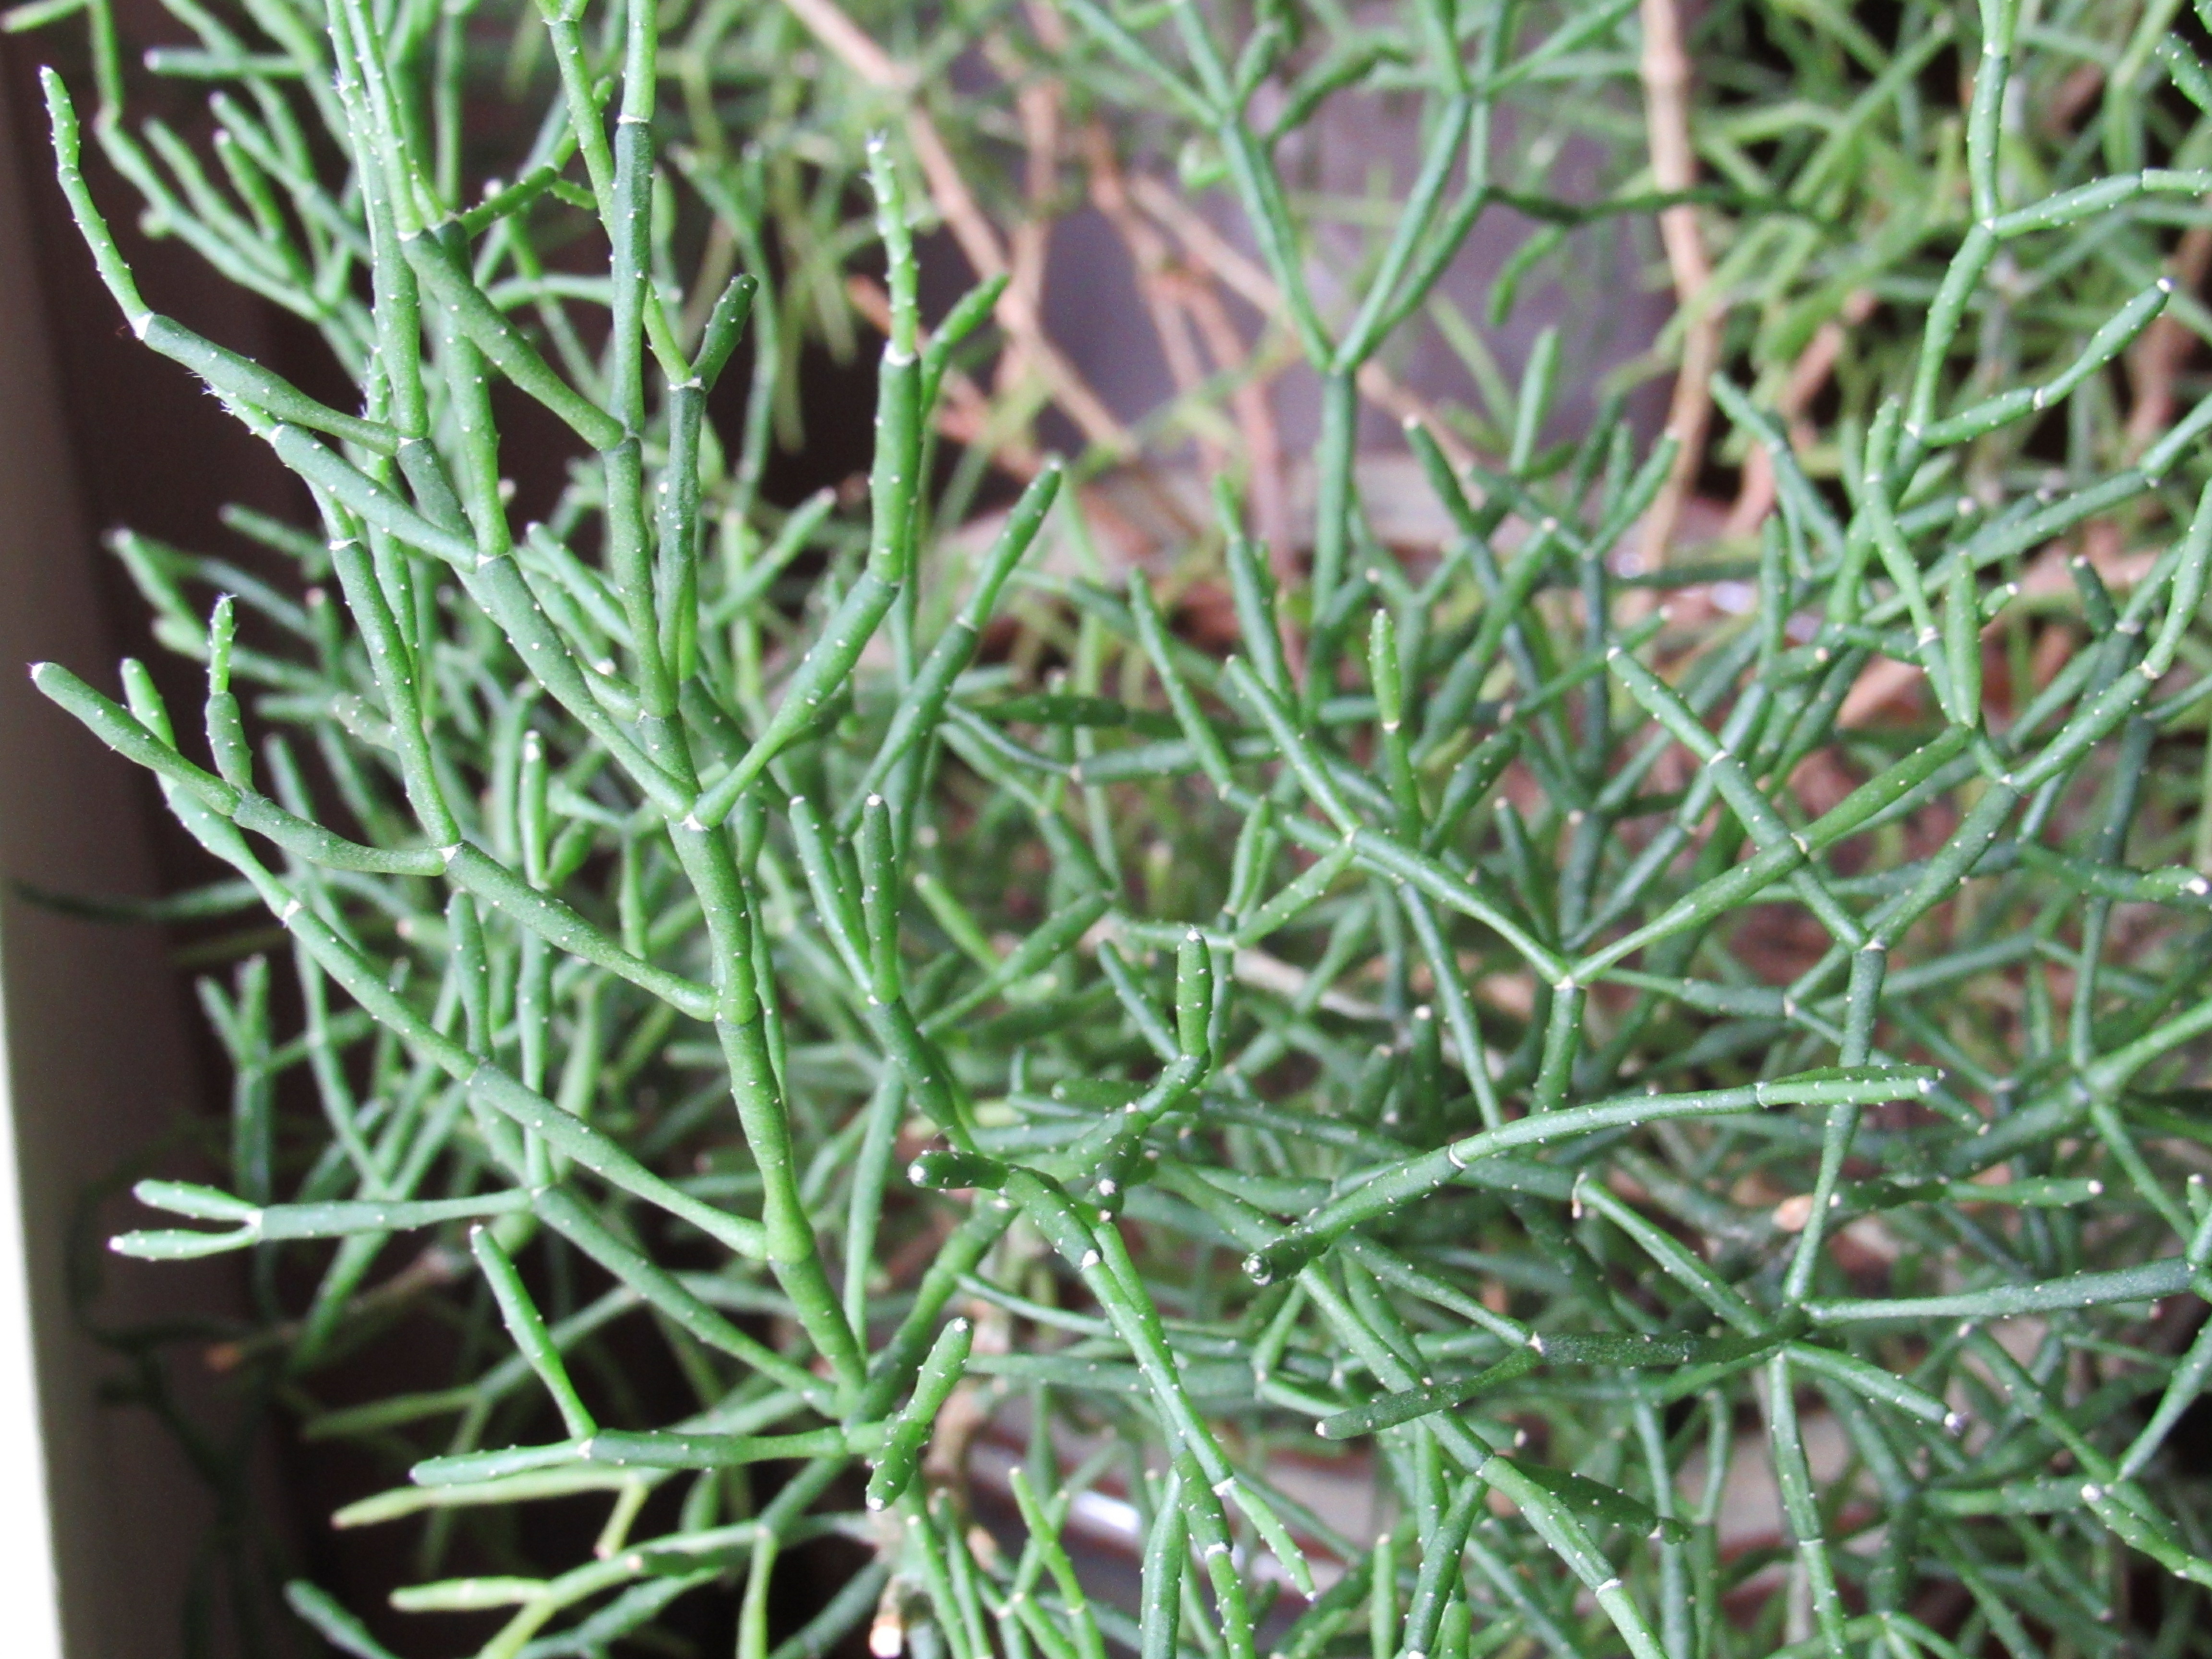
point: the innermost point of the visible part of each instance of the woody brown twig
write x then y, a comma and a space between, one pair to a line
2166, 346
1665, 69
1207, 249
1186, 306
1019, 311
1807, 375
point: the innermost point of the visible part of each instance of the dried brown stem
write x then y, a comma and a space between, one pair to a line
1186, 305
1018, 312
1207, 250
849, 43
1665, 68
1755, 496
1153, 260
2166, 346
1037, 107
1265, 490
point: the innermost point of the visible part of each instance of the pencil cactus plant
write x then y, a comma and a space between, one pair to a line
1418, 1106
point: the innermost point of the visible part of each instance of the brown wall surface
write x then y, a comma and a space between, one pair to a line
99, 1061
